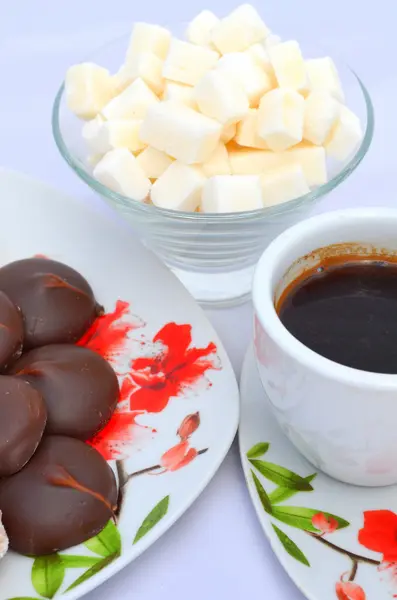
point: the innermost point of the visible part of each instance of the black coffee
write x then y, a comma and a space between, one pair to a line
347, 313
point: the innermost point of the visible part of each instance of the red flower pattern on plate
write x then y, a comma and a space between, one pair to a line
380, 533
347, 590
150, 383
182, 454
324, 524
171, 371
108, 335
178, 456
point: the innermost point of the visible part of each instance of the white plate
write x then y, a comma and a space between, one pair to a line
36, 219
321, 553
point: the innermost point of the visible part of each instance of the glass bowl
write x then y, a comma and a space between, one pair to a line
214, 255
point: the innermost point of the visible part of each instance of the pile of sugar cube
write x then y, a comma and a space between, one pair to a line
231, 120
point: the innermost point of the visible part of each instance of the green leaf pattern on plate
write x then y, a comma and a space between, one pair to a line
155, 515
281, 476
263, 497
301, 518
48, 573
107, 542
104, 562
281, 494
290, 546
258, 450
288, 485
78, 562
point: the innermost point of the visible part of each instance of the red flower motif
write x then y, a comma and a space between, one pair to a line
188, 426
380, 533
108, 335
324, 524
168, 374
178, 456
117, 434
349, 591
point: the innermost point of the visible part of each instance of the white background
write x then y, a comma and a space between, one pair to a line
217, 549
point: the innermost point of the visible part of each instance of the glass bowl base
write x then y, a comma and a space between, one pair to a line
217, 290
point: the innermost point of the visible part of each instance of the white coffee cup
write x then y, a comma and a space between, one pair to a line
343, 420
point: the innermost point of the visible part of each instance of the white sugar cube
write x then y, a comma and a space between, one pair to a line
149, 38
154, 162
88, 89
345, 136
122, 79
218, 163
199, 30
283, 184
247, 131
253, 79
179, 188
120, 133
180, 132
221, 97
232, 193
245, 161
187, 63
280, 119
323, 75
289, 66
102, 136
148, 67
120, 171
272, 40
312, 159
260, 56
321, 113
93, 159
228, 132
90, 133
132, 103
239, 30
179, 92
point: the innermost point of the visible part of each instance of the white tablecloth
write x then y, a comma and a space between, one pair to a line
217, 549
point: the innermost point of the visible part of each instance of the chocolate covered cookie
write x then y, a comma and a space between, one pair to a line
65, 495
79, 387
11, 332
22, 421
57, 303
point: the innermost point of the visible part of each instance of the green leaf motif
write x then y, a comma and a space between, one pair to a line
48, 573
106, 543
23, 598
155, 515
280, 494
104, 562
258, 450
290, 546
301, 518
281, 476
78, 562
263, 497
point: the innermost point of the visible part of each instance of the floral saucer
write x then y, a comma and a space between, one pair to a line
178, 409
336, 541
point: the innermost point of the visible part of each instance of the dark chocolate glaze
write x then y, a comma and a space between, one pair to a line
346, 312
22, 421
65, 495
79, 387
11, 332
57, 303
